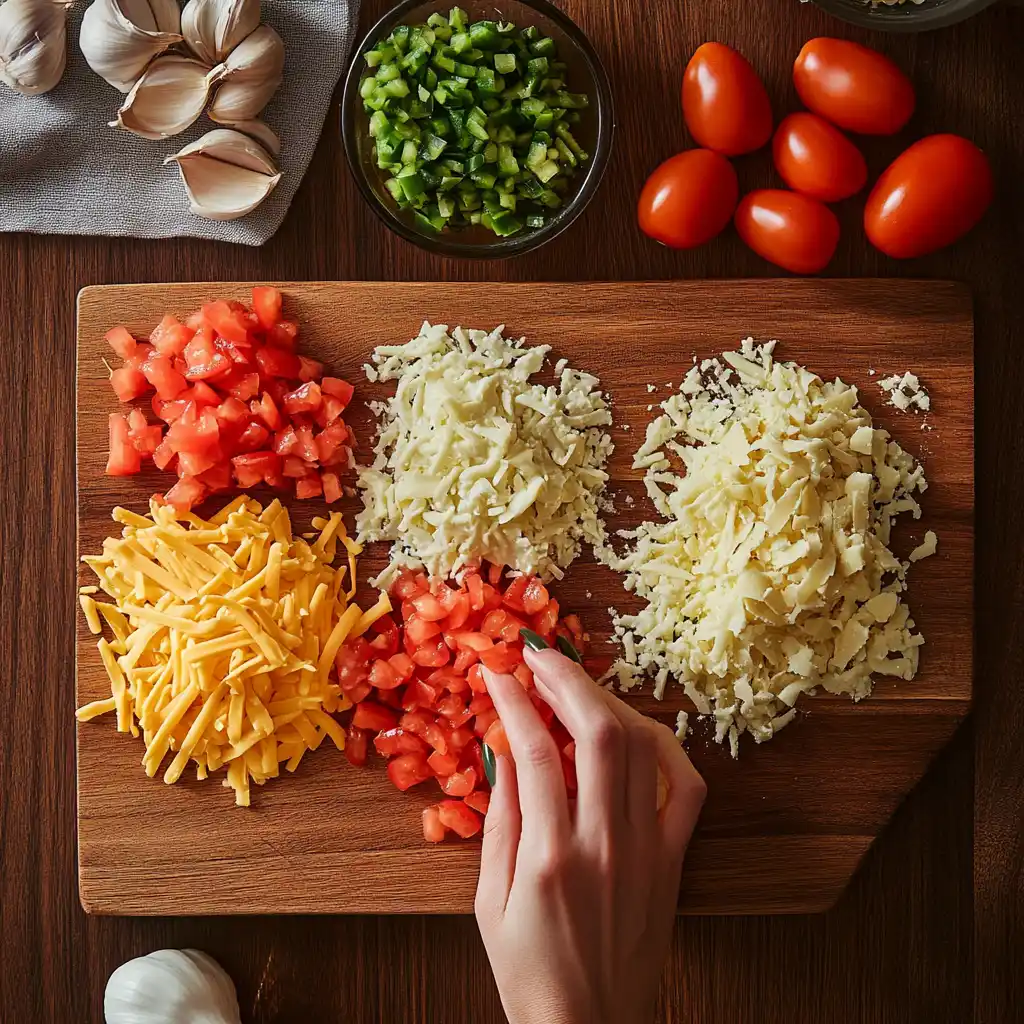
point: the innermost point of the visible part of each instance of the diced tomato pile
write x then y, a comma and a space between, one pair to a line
236, 404
419, 692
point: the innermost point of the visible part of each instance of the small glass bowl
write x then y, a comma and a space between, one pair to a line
586, 74
904, 17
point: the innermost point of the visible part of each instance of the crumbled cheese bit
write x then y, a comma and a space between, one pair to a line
474, 461
651, 388
560, 366
771, 573
629, 501
682, 725
906, 393
926, 548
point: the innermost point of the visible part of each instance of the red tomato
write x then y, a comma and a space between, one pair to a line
817, 159
374, 717
454, 814
928, 197
459, 783
170, 336
338, 388
124, 459
266, 303
128, 382
433, 830
391, 742
724, 102
853, 86
788, 229
688, 199
408, 770
479, 800
121, 341
356, 745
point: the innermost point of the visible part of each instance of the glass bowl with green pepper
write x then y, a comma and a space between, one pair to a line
479, 130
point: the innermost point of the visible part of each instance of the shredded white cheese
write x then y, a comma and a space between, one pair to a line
474, 461
906, 393
771, 572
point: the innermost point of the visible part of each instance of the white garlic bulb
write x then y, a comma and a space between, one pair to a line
226, 174
252, 73
170, 95
171, 985
120, 37
33, 44
213, 28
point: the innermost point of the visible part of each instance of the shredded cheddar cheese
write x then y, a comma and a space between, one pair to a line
223, 637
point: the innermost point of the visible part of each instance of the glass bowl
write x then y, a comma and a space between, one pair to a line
905, 17
585, 74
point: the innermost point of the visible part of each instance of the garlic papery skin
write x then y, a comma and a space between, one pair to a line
118, 48
170, 95
262, 133
171, 985
251, 76
33, 45
226, 174
213, 28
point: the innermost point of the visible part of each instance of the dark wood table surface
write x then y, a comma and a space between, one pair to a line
931, 924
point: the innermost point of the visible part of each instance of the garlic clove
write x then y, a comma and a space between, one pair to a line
33, 44
213, 28
239, 101
117, 47
226, 174
262, 133
170, 95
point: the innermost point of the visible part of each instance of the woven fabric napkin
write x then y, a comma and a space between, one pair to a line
64, 171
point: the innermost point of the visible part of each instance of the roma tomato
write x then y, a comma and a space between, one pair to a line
788, 229
817, 159
928, 197
725, 104
853, 86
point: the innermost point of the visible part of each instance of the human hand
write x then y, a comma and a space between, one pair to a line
576, 906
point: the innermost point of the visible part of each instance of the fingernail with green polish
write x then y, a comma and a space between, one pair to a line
533, 640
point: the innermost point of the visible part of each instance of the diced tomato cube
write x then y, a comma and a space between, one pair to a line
283, 334
374, 717
408, 584
460, 738
332, 486
476, 680
432, 653
484, 721
227, 322
524, 675
338, 388
121, 341
479, 800
305, 398
254, 437
459, 783
124, 459
247, 386
463, 820
408, 770
128, 383
494, 574
454, 709
309, 369
501, 657
545, 620
471, 641
286, 441
194, 463
306, 444
356, 745
433, 830
277, 362
267, 303
502, 624
294, 468
393, 742
251, 468
429, 607
145, 438
168, 411
308, 486
443, 765
170, 336
496, 739
216, 478
403, 665
267, 410
418, 631
513, 596
352, 661
185, 494
384, 677
163, 455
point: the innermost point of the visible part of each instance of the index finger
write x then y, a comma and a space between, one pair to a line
542, 796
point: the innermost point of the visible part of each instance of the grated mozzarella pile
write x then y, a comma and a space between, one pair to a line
475, 462
771, 573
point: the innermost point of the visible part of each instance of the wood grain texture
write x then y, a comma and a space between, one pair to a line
930, 929
813, 798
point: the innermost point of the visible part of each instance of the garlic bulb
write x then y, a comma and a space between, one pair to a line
262, 133
226, 174
171, 985
252, 73
170, 95
213, 28
33, 44
120, 37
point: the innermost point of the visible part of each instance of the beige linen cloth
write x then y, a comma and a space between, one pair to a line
64, 171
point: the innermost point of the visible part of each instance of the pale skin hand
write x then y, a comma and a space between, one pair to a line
576, 903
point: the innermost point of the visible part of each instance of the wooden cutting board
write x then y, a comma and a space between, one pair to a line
784, 826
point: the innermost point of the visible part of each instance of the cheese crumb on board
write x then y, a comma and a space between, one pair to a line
474, 461
224, 634
906, 393
771, 574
